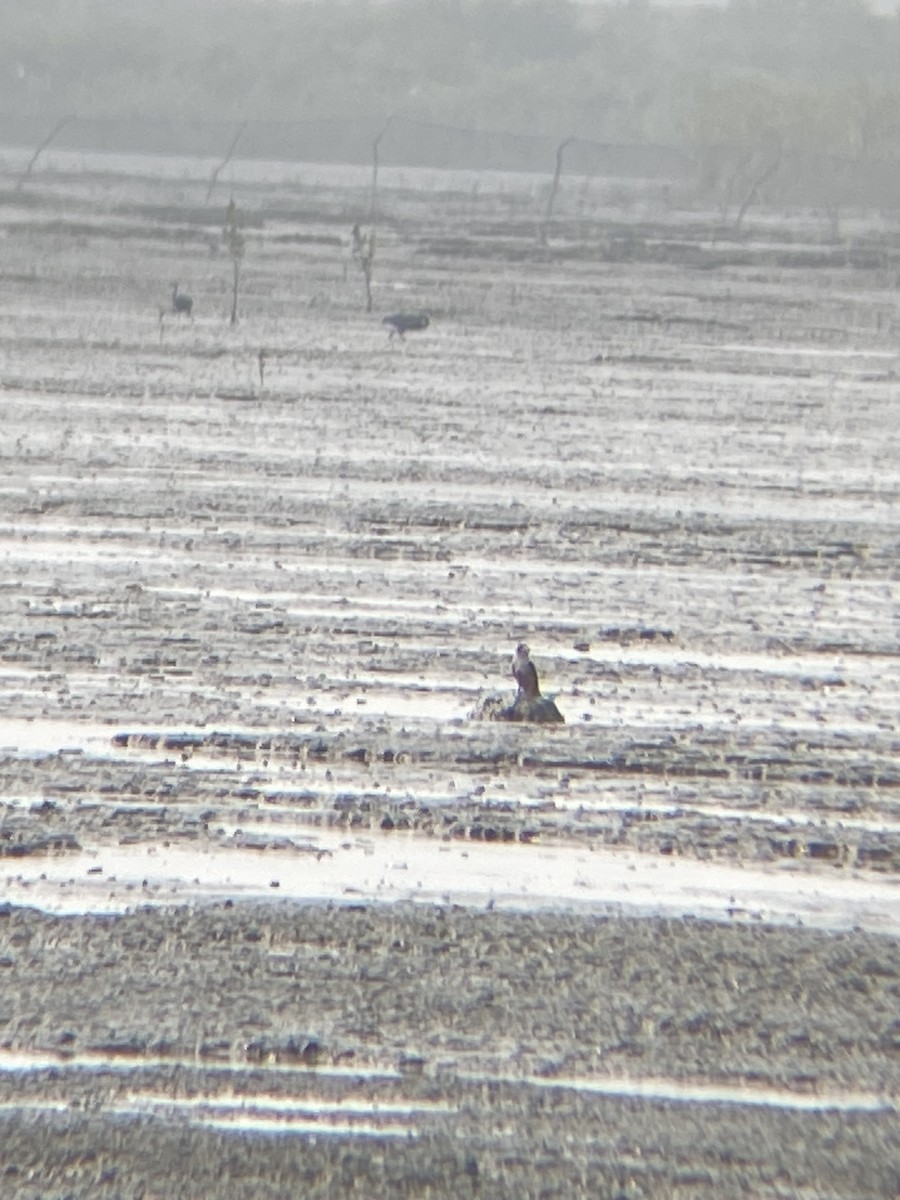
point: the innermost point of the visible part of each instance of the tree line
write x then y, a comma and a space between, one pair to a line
765, 76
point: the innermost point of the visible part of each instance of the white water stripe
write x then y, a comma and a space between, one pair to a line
275, 1113
286, 1106
249, 1124
280, 1114
235, 1120
23, 1061
387, 867
656, 1088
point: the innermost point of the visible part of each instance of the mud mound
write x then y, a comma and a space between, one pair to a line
541, 710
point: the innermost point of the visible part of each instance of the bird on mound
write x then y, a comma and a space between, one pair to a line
529, 705
525, 674
402, 323
181, 301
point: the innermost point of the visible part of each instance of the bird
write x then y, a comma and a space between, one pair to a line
181, 301
525, 674
406, 322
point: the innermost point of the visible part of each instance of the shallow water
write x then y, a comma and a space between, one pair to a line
259, 1111
395, 867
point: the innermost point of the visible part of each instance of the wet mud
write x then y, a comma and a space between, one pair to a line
276, 913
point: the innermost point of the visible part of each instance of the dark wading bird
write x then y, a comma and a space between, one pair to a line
525, 674
181, 301
402, 323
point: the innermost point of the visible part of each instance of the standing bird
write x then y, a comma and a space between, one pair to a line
525, 674
407, 322
181, 301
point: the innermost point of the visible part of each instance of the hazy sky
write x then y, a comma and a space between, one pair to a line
882, 7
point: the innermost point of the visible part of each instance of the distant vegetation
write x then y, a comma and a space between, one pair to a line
810, 76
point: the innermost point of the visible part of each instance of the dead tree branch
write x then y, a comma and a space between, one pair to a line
554, 188
61, 124
225, 161
364, 257
767, 169
373, 198
236, 244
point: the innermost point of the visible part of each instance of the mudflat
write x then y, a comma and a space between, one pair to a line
278, 914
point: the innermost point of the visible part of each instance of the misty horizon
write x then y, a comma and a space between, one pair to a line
682, 90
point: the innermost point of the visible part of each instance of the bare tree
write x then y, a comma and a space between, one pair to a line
554, 188
373, 197
236, 244
364, 257
61, 124
225, 161
762, 167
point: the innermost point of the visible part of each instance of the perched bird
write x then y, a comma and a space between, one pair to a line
181, 302
525, 674
406, 322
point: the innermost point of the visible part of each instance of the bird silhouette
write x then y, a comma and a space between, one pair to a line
181, 301
402, 323
525, 674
